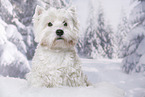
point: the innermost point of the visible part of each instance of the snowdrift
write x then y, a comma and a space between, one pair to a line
14, 87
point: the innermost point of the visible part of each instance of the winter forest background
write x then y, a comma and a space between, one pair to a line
99, 37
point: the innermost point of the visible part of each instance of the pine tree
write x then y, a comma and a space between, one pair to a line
98, 42
16, 38
17, 15
135, 52
12, 62
89, 36
110, 42
121, 35
79, 46
54, 3
104, 43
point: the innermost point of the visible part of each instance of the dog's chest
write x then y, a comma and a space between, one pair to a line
56, 60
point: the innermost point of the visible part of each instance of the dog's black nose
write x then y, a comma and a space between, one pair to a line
59, 32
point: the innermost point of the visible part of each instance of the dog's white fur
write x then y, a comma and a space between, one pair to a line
55, 62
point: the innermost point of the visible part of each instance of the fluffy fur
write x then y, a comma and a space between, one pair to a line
55, 62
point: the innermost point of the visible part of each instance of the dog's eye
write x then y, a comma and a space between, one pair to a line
50, 24
65, 24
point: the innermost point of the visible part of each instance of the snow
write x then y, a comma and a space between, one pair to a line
106, 76
15, 37
8, 54
12, 61
8, 6
141, 51
141, 61
12, 87
98, 71
98, 36
134, 50
2, 34
18, 23
137, 31
110, 71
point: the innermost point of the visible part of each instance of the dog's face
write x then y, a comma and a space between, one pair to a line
56, 28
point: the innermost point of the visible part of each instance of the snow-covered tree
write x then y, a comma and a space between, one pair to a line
135, 50
110, 42
54, 3
19, 13
19, 45
104, 32
98, 36
16, 38
79, 46
89, 36
12, 62
121, 35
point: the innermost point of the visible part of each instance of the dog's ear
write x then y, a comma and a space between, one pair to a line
72, 11
36, 18
38, 10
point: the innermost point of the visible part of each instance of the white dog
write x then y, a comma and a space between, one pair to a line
55, 62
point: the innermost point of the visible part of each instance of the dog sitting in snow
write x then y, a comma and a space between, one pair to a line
55, 62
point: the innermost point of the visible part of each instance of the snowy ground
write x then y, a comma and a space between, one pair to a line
110, 71
106, 76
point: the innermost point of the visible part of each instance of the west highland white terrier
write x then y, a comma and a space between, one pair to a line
55, 62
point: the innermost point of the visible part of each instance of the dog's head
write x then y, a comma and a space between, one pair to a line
56, 28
